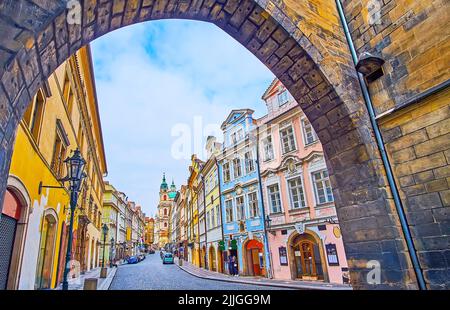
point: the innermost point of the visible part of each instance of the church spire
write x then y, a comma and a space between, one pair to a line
164, 186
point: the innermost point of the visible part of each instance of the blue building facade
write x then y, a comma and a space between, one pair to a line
242, 207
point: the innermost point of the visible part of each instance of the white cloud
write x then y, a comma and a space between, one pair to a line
151, 77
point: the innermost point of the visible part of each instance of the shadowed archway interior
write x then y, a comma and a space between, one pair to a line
312, 62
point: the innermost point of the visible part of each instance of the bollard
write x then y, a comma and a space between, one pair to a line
180, 262
90, 284
103, 272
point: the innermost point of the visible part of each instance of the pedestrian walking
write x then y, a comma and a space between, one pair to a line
231, 265
235, 267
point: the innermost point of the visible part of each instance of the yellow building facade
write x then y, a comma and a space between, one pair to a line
193, 226
62, 117
213, 213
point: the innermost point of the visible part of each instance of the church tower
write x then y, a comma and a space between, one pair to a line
166, 197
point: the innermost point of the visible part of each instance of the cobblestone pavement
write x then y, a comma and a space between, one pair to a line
151, 274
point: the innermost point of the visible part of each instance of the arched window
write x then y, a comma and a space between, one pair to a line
165, 211
165, 197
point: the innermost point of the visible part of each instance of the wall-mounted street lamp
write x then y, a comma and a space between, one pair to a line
370, 66
268, 221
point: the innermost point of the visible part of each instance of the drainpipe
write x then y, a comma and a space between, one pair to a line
220, 208
204, 218
266, 237
382, 150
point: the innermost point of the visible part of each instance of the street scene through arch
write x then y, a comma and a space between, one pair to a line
312, 56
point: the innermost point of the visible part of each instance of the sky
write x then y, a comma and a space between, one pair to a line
163, 87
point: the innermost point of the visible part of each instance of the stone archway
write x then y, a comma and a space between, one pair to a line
303, 45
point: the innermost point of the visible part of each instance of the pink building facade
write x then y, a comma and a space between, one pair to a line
304, 236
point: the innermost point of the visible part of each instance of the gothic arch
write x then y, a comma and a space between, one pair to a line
303, 45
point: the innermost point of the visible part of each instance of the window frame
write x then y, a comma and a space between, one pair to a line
305, 135
229, 219
250, 207
302, 187
249, 160
270, 198
294, 142
235, 175
242, 214
265, 145
322, 180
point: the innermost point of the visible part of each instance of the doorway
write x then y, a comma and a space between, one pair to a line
255, 258
307, 258
46, 252
11, 213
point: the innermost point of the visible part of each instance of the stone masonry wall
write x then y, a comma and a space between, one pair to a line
413, 38
418, 143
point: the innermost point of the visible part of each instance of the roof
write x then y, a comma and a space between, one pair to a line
234, 111
269, 89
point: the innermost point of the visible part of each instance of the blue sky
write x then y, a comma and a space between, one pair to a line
157, 78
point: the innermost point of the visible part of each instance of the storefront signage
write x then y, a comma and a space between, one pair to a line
332, 255
283, 256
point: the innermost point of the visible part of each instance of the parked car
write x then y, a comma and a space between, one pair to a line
167, 258
132, 260
151, 251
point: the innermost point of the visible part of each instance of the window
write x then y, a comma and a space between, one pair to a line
268, 148
213, 220
240, 208
229, 210
296, 192
237, 167
59, 155
226, 172
208, 220
165, 211
249, 162
237, 136
218, 216
322, 187
34, 115
287, 139
253, 204
308, 132
274, 198
283, 97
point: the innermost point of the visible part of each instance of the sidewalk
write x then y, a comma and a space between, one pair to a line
293, 284
102, 284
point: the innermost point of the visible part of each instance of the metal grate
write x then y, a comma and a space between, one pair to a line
7, 233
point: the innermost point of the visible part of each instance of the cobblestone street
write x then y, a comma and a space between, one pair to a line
151, 274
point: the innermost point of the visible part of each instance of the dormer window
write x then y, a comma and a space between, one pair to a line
283, 97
